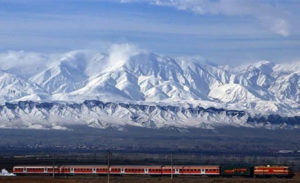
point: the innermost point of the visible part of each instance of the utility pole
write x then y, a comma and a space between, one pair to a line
172, 167
53, 164
108, 165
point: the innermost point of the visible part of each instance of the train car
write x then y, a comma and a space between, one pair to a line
197, 170
277, 171
229, 171
27, 170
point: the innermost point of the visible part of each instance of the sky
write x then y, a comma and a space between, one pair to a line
222, 31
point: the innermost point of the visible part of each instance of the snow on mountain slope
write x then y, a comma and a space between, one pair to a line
129, 75
67, 75
286, 87
28, 114
14, 88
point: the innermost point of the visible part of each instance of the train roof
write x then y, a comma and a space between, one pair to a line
118, 166
271, 166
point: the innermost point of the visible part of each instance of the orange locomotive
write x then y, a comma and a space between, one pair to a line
268, 171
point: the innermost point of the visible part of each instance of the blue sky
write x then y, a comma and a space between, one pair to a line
222, 31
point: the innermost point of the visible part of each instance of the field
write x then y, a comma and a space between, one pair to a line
148, 147
146, 179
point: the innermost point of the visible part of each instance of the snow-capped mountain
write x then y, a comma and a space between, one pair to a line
93, 113
133, 76
65, 76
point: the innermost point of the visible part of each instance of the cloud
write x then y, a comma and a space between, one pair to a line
271, 17
25, 63
119, 54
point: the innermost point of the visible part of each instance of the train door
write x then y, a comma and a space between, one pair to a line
122, 170
45, 170
176, 171
24, 170
71, 170
146, 170
202, 171
94, 170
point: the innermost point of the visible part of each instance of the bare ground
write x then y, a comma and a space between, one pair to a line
145, 179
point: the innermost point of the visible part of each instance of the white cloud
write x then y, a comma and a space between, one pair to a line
270, 16
25, 63
120, 53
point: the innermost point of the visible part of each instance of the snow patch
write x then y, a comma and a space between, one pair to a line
4, 172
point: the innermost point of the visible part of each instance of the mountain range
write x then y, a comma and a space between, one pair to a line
129, 77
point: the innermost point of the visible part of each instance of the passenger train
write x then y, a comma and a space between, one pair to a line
213, 170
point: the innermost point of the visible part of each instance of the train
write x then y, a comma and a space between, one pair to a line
201, 170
